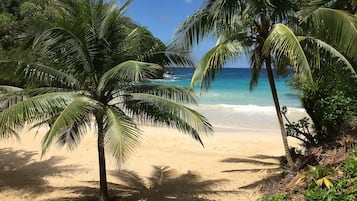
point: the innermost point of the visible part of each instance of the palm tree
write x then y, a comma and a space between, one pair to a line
332, 30
331, 34
79, 77
241, 28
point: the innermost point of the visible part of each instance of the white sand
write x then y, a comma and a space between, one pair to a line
227, 169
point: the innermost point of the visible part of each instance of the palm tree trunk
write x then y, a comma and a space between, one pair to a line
103, 191
278, 112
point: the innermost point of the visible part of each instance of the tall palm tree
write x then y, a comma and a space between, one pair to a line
241, 27
80, 78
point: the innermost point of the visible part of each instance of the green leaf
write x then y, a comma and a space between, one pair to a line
335, 53
129, 71
283, 42
74, 112
121, 133
324, 181
214, 60
340, 27
34, 109
158, 110
37, 72
174, 93
193, 30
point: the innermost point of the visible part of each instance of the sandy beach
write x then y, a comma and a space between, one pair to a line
230, 167
167, 165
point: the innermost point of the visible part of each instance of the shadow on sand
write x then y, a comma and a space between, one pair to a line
19, 171
164, 184
274, 172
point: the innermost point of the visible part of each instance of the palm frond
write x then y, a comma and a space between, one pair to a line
214, 60
124, 6
158, 110
177, 57
169, 57
310, 7
6, 91
335, 53
214, 18
34, 109
224, 11
9, 89
121, 133
171, 92
75, 40
76, 112
283, 42
110, 18
41, 72
37, 72
71, 134
129, 71
256, 64
340, 28
193, 30
9, 134
17, 94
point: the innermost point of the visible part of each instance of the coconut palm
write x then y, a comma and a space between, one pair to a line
332, 30
328, 41
241, 28
80, 78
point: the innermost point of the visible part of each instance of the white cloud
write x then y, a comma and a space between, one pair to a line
188, 1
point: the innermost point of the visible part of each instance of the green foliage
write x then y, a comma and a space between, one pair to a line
36, 15
336, 109
317, 175
350, 167
320, 194
344, 188
8, 25
276, 197
331, 105
327, 183
300, 130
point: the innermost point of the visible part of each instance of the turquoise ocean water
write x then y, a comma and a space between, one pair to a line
231, 87
230, 103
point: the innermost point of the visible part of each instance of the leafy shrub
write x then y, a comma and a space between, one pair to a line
323, 194
300, 130
276, 197
319, 176
335, 110
330, 101
345, 188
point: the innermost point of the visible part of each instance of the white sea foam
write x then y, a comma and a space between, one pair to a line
248, 108
246, 116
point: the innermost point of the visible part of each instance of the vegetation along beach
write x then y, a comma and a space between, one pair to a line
247, 100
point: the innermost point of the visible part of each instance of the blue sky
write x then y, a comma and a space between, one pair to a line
162, 17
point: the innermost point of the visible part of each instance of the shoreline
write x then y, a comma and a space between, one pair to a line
246, 117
